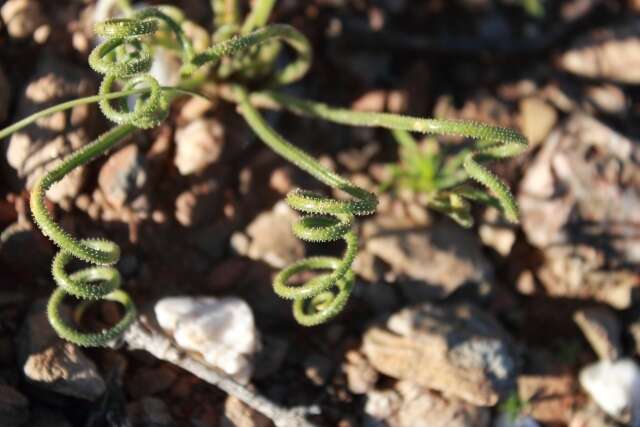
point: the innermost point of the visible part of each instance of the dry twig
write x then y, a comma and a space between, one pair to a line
140, 337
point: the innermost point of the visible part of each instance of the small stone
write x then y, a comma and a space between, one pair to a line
550, 396
584, 180
442, 258
41, 34
64, 369
372, 101
281, 179
37, 149
609, 55
239, 414
200, 204
361, 376
518, 89
80, 42
397, 101
269, 238
22, 17
579, 271
123, 176
83, 202
459, 350
591, 416
414, 406
194, 108
14, 407
382, 404
537, 118
159, 217
54, 365
607, 98
425, 408
602, 329
222, 330
526, 283
150, 412
198, 145
495, 232
615, 387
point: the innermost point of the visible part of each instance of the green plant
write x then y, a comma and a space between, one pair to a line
513, 406
441, 179
534, 8
243, 55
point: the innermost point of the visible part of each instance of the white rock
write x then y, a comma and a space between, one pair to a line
198, 145
614, 386
270, 237
505, 420
222, 330
382, 404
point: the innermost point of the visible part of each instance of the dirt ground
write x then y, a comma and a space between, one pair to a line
496, 325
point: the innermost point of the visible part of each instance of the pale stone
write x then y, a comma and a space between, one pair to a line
458, 350
53, 365
198, 145
22, 17
222, 330
538, 118
269, 238
607, 56
615, 387
602, 329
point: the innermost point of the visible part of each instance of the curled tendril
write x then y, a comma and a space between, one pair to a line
92, 283
324, 296
125, 56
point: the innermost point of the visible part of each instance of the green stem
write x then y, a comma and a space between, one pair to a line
390, 121
289, 151
21, 124
286, 33
492, 142
187, 48
99, 282
259, 16
315, 301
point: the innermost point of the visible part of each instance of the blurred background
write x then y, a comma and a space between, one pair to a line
535, 324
